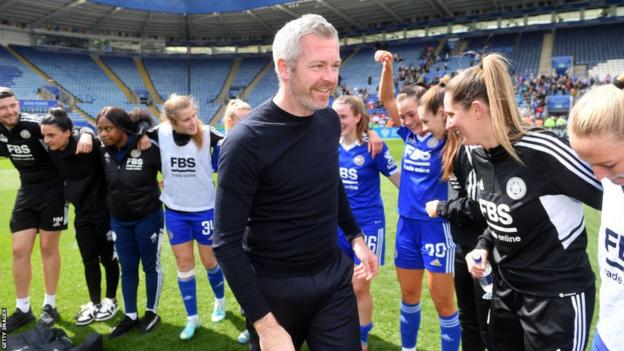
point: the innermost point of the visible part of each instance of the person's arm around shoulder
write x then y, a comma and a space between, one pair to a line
375, 144
85, 143
146, 136
386, 164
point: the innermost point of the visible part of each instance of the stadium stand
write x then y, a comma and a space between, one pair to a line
15, 75
356, 71
169, 75
591, 45
265, 89
125, 69
80, 76
248, 70
207, 78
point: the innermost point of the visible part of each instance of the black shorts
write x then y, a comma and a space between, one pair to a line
526, 322
46, 210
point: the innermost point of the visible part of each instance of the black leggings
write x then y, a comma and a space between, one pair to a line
96, 246
473, 309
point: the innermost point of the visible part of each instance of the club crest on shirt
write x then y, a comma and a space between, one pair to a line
25, 134
516, 188
358, 160
135, 153
432, 142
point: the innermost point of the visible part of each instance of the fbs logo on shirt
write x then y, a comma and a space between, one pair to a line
614, 245
181, 165
415, 154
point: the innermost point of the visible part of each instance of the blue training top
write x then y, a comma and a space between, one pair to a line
360, 175
421, 174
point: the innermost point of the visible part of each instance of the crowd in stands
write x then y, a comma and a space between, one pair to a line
531, 91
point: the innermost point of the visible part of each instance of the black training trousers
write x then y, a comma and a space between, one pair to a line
526, 322
473, 308
96, 246
320, 309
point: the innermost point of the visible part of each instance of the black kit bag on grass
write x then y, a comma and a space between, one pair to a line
51, 339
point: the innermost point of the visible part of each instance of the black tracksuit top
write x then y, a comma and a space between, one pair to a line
462, 208
534, 214
24, 145
85, 185
133, 190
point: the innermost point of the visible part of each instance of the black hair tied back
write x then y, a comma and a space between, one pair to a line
58, 117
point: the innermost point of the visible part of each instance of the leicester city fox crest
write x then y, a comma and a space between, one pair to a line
358, 160
516, 188
135, 153
25, 134
432, 142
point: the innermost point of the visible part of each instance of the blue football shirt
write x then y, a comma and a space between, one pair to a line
421, 174
360, 175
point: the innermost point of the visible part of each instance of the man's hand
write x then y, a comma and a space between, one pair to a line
432, 208
85, 144
375, 144
368, 268
144, 143
273, 337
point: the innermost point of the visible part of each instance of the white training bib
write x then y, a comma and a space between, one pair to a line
187, 173
611, 264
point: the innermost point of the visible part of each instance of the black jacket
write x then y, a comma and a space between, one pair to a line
24, 145
535, 219
133, 191
462, 208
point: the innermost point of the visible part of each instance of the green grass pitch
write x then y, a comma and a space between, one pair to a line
72, 290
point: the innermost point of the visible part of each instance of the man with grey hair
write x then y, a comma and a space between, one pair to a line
280, 200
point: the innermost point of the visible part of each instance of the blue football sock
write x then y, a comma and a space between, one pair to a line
188, 290
450, 332
410, 322
364, 330
215, 277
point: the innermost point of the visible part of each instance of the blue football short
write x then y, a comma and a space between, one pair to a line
374, 230
423, 244
183, 227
